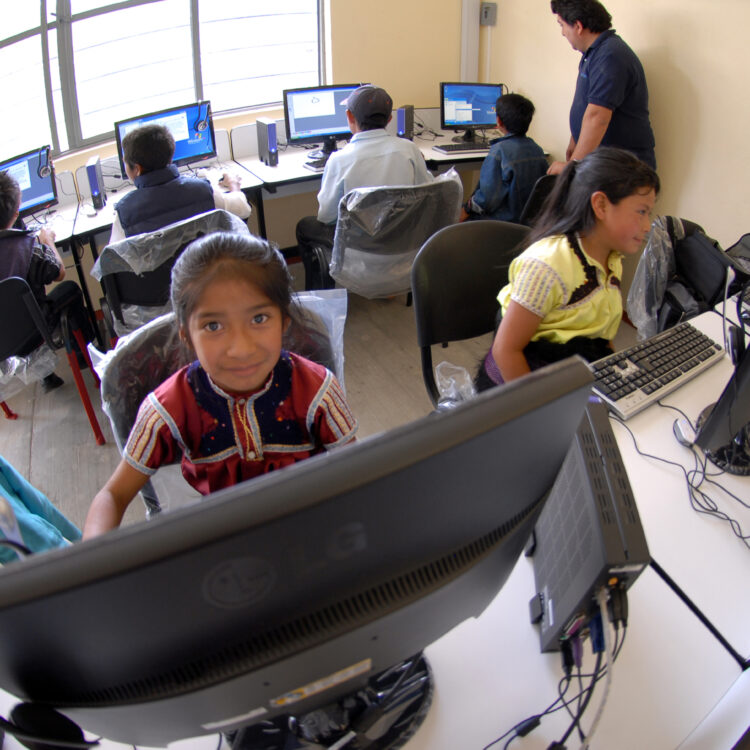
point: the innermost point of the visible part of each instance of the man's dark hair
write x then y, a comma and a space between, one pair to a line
150, 146
515, 112
10, 200
591, 13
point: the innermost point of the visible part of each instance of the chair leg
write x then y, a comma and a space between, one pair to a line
85, 400
84, 350
9, 413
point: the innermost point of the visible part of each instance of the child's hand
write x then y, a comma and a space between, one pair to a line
46, 237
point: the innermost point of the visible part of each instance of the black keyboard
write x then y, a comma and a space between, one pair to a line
635, 378
452, 148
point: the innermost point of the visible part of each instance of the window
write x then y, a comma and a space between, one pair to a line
71, 68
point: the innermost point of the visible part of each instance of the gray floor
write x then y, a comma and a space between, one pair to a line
53, 446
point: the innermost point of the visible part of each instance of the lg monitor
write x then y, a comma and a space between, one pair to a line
317, 115
468, 107
290, 593
35, 175
723, 429
191, 127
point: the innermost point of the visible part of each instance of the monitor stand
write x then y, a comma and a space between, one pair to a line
384, 714
470, 136
329, 146
733, 457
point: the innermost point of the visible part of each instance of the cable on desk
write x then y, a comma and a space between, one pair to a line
700, 501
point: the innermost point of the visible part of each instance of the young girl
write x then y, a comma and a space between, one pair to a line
246, 406
564, 292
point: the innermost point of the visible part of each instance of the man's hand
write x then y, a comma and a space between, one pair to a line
230, 182
556, 167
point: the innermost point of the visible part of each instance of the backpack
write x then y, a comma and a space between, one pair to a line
699, 279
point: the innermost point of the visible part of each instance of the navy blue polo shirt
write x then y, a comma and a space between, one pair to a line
611, 75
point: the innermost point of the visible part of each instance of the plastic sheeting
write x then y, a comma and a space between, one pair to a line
146, 252
454, 384
18, 372
655, 267
380, 230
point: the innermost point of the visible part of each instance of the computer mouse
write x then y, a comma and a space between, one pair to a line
89, 210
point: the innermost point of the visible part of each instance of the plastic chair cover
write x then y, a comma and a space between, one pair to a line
380, 230
18, 372
656, 266
146, 252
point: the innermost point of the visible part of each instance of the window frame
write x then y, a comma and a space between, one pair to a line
62, 26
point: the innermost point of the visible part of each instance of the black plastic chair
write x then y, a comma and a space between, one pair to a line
29, 329
456, 278
542, 188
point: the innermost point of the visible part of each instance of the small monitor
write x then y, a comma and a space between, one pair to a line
317, 115
191, 126
281, 595
723, 429
469, 106
35, 175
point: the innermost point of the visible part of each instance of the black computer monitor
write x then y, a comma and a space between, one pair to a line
723, 429
34, 173
283, 594
469, 107
317, 115
191, 126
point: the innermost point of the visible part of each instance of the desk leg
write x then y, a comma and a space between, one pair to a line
85, 289
256, 197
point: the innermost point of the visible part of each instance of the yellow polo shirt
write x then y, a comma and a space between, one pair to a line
572, 298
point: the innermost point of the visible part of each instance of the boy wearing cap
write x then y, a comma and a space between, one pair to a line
373, 158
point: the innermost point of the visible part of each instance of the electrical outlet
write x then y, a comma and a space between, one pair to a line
488, 14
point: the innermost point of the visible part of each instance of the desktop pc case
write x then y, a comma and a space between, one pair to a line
405, 122
589, 534
268, 149
96, 182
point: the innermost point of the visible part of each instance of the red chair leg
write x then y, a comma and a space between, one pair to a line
83, 393
84, 350
9, 413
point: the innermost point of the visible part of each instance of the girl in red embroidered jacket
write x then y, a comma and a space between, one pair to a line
245, 406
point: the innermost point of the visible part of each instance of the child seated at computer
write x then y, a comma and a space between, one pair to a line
163, 195
563, 295
34, 257
245, 406
512, 166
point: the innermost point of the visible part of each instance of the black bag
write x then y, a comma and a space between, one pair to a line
700, 277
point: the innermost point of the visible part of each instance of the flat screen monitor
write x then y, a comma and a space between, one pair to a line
191, 127
723, 429
469, 106
35, 175
317, 115
283, 594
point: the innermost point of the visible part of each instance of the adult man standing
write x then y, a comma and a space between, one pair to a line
373, 158
610, 106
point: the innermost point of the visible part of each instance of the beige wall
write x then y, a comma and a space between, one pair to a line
695, 55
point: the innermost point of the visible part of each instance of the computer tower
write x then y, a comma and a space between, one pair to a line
589, 533
268, 149
405, 121
96, 182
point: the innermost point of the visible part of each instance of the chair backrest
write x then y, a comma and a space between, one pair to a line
456, 278
542, 188
380, 230
136, 271
20, 316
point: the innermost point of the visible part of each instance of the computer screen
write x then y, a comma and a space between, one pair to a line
469, 106
723, 429
283, 594
317, 115
35, 176
191, 127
